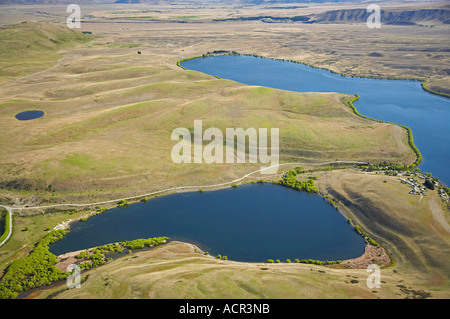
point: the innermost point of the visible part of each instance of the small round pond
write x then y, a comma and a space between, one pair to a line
29, 115
251, 223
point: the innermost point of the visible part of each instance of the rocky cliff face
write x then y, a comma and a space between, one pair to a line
387, 17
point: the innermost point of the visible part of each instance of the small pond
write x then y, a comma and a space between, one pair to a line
29, 115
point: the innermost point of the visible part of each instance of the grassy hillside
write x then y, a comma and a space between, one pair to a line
30, 47
414, 231
109, 115
179, 271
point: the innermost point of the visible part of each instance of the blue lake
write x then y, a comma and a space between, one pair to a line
29, 115
251, 223
400, 101
254, 223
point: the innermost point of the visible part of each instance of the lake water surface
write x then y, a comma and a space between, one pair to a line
254, 223
251, 223
399, 101
29, 115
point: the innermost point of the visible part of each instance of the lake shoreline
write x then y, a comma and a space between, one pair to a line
393, 107
360, 262
71, 223
209, 54
350, 102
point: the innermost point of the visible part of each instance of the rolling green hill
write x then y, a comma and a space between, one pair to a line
30, 47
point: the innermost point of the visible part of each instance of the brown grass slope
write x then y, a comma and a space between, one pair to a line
30, 47
109, 115
415, 231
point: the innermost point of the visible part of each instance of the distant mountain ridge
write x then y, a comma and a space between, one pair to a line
399, 17
360, 15
255, 2
245, 2
47, 2
387, 17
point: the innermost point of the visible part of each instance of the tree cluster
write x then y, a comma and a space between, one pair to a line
306, 261
290, 180
35, 270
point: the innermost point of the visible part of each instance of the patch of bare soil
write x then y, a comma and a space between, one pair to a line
439, 214
67, 259
372, 255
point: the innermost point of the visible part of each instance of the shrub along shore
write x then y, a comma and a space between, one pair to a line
97, 256
35, 270
408, 130
290, 180
432, 91
39, 269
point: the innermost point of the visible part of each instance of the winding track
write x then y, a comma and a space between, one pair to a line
10, 209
